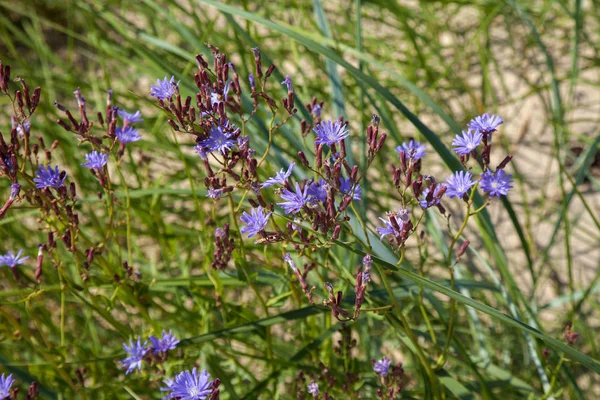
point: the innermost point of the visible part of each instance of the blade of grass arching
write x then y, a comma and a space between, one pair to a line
361, 106
560, 137
492, 312
578, 17
588, 158
530, 345
337, 94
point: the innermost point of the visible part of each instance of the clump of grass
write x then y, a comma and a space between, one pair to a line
313, 304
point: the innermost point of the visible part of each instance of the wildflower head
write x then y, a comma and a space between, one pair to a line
255, 222
95, 160
48, 177
485, 123
218, 140
279, 178
313, 388
288, 82
382, 366
15, 188
214, 193
164, 89
136, 352
346, 188
130, 119
189, 385
459, 184
167, 342
12, 260
288, 259
329, 132
318, 190
216, 97
428, 200
5, 385
496, 184
294, 200
390, 228
413, 150
466, 143
127, 134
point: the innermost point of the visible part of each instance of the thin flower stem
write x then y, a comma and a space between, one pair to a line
127, 212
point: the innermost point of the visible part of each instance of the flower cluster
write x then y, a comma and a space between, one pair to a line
137, 351
391, 378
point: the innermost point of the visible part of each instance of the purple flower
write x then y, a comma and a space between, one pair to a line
413, 150
496, 184
319, 190
219, 140
252, 81
288, 82
435, 199
214, 193
164, 89
467, 143
216, 97
127, 134
95, 160
167, 342
329, 132
295, 200
26, 126
48, 177
389, 229
313, 388
255, 221
279, 178
459, 183
316, 110
130, 119
15, 188
5, 384
288, 259
136, 351
189, 386
346, 189
11, 260
382, 366
485, 123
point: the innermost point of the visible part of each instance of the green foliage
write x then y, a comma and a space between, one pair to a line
425, 70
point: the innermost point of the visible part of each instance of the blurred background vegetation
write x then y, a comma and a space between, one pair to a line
441, 63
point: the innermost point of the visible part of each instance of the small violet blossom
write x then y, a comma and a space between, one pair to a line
382, 366
288, 82
216, 97
164, 89
48, 177
214, 193
255, 222
313, 388
346, 188
136, 351
496, 184
130, 119
95, 160
5, 385
485, 123
413, 150
189, 386
279, 178
329, 132
167, 342
295, 200
12, 260
424, 203
467, 143
127, 134
218, 140
459, 183
318, 190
